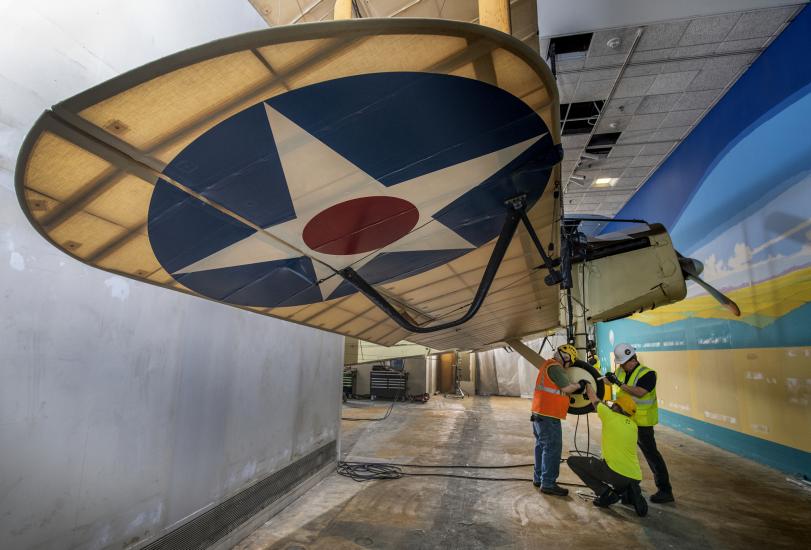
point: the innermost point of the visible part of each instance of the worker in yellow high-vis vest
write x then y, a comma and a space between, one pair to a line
639, 382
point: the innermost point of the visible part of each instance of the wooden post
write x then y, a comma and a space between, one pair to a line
342, 10
495, 14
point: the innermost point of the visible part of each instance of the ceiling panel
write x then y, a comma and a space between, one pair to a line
654, 93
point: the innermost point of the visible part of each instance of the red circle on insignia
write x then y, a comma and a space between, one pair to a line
360, 225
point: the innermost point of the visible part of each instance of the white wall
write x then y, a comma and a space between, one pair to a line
126, 408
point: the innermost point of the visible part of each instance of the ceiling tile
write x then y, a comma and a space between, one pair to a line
675, 133
628, 182
588, 91
635, 136
739, 45
760, 23
694, 51
599, 42
566, 93
681, 66
651, 55
658, 103
602, 172
570, 65
607, 163
634, 86
642, 70
576, 141
709, 79
730, 61
625, 105
657, 148
613, 123
646, 160
566, 79
571, 153
672, 82
662, 35
695, 100
599, 74
605, 60
624, 151
682, 118
709, 29
646, 122
633, 171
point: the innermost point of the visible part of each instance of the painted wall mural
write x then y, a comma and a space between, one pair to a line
737, 196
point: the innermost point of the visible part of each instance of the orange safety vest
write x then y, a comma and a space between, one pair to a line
548, 400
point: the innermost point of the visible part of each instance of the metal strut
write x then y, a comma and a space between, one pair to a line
515, 211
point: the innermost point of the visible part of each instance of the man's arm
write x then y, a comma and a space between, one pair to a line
592, 396
636, 391
644, 385
558, 376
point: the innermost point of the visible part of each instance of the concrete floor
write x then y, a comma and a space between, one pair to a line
723, 501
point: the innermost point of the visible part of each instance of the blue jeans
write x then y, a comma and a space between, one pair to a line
548, 447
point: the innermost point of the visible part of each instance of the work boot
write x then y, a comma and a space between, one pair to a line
536, 483
635, 493
606, 499
556, 490
660, 497
626, 497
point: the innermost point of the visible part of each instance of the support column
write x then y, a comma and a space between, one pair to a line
495, 14
342, 10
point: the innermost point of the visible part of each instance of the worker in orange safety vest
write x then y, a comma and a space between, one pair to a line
550, 403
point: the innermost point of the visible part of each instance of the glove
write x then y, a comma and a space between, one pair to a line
611, 377
583, 384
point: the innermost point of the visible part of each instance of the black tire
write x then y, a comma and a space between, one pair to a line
580, 404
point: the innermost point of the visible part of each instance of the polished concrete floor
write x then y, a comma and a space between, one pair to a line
723, 501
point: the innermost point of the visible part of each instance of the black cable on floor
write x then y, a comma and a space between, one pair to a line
384, 417
372, 471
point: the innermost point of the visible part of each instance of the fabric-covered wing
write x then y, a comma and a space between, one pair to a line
251, 169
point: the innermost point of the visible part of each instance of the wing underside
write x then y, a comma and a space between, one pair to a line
94, 170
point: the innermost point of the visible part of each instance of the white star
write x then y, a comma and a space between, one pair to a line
318, 178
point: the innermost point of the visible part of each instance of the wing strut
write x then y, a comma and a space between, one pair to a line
516, 208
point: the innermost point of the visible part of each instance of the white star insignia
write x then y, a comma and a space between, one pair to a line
318, 178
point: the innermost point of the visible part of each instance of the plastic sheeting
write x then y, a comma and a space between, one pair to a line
503, 372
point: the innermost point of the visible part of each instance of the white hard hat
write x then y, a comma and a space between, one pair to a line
624, 352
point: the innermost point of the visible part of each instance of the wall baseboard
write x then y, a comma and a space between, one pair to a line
781, 457
227, 523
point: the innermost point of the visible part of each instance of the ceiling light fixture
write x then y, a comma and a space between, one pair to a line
605, 182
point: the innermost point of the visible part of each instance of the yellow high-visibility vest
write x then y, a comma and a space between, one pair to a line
647, 406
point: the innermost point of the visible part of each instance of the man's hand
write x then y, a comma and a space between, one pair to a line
590, 393
583, 384
611, 377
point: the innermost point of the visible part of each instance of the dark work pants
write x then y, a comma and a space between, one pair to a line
647, 443
598, 476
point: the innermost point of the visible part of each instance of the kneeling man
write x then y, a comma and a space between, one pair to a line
617, 475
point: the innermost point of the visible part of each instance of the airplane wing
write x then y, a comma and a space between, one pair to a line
258, 170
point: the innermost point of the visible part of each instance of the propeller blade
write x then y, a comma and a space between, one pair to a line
717, 294
691, 269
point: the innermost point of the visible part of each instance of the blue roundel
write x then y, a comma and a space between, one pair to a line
393, 126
